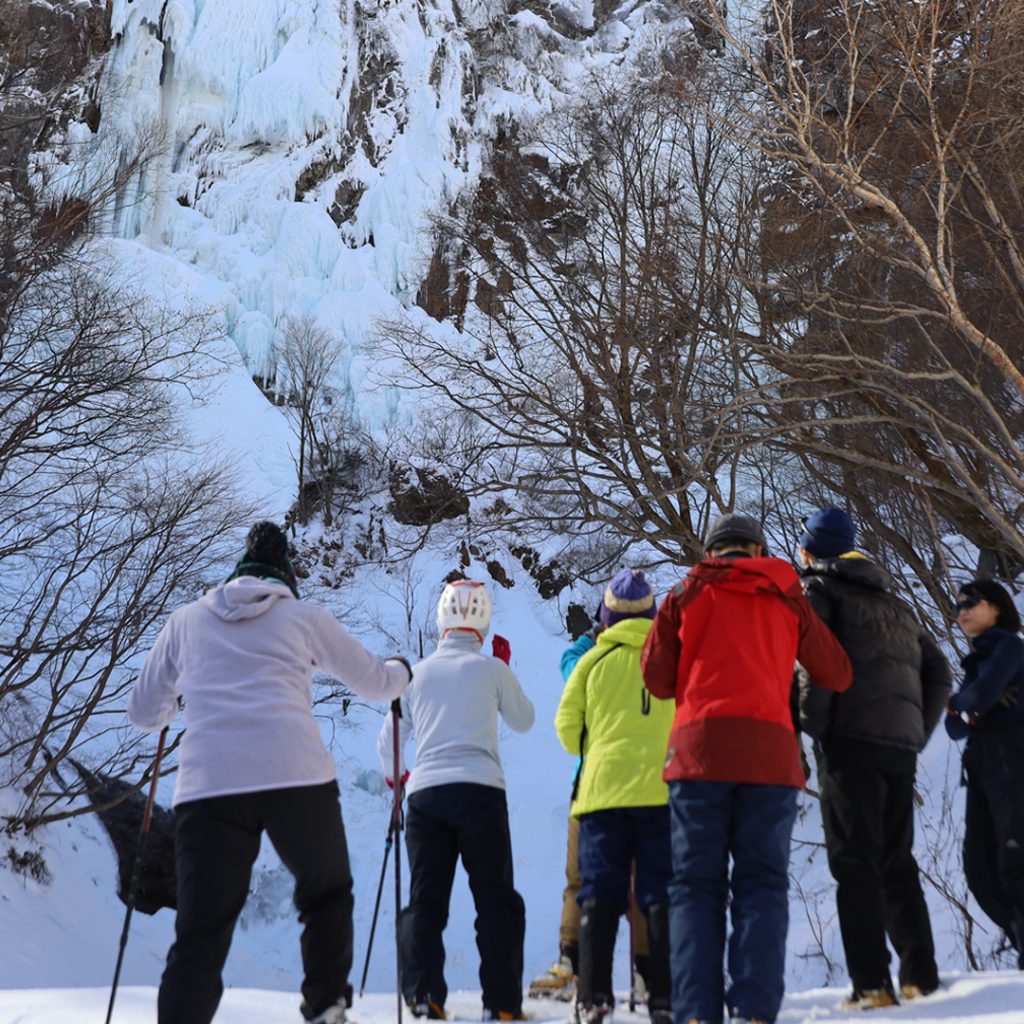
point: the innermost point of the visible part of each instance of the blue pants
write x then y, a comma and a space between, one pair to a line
752, 824
610, 841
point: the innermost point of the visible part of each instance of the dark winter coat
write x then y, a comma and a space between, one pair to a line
901, 679
992, 692
724, 643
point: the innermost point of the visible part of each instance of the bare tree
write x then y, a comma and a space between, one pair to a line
598, 353
892, 265
306, 357
109, 514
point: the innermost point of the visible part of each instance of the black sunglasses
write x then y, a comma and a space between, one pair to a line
970, 601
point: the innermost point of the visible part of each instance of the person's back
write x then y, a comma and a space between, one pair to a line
866, 743
457, 807
724, 644
607, 715
623, 730
252, 761
453, 707
242, 658
900, 677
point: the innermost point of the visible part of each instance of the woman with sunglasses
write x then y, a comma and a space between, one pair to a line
988, 710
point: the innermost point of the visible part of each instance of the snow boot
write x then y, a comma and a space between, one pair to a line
427, 1009
597, 1013
332, 1015
559, 981
870, 999
595, 997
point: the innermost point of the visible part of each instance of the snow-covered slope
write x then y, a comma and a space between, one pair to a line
300, 146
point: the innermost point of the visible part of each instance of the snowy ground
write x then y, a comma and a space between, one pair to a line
991, 998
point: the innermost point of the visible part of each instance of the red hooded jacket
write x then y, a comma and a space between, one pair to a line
724, 644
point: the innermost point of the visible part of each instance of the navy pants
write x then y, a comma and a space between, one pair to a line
610, 841
994, 830
867, 809
711, 823
442, 824
216, 843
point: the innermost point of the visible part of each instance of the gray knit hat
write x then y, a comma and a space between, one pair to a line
733, 526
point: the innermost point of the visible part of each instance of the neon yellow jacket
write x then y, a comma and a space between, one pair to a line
626, 729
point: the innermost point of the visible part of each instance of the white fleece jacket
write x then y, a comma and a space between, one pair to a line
452, 709
243, 657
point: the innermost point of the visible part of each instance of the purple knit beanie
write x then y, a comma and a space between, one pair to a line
628, 596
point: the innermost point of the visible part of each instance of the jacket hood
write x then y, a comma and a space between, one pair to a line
631, 632
858, 570
246, 597
747, 575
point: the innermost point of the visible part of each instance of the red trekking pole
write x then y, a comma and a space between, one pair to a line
133, 888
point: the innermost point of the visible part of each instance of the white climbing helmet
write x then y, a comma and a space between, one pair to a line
464, 604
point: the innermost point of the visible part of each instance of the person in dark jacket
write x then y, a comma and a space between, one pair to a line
724, 644
988, 710
867, 740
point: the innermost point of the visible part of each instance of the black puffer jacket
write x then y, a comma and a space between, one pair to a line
900, 677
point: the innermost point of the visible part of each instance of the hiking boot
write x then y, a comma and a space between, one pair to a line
427, 1009
504, 1015
558, 982
662, 1017
869, 999
600, 1013
332, 1015
912, 991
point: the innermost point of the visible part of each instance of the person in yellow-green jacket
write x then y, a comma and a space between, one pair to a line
608, 716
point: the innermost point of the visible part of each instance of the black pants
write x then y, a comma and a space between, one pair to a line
867, 808
217, 841
442, 824
994, 832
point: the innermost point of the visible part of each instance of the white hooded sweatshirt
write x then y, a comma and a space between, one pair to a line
243, 657
452, 709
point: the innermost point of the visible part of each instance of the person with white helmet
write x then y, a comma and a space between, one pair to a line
457, 806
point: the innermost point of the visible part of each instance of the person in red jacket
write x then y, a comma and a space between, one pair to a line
724, 644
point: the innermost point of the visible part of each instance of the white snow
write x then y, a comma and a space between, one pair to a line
979, 999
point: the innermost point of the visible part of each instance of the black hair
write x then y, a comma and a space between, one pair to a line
997, 594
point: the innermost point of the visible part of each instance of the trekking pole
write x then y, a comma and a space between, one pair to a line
376, 905
396, 828
632, 937
133, 887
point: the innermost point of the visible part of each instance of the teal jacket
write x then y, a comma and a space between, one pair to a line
607, 715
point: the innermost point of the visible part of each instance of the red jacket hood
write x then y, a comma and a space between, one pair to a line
748, 575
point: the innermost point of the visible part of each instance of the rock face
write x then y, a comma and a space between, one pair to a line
299, 154
121, 810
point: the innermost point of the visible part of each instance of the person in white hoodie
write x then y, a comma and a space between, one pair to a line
251, 760
457, 806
